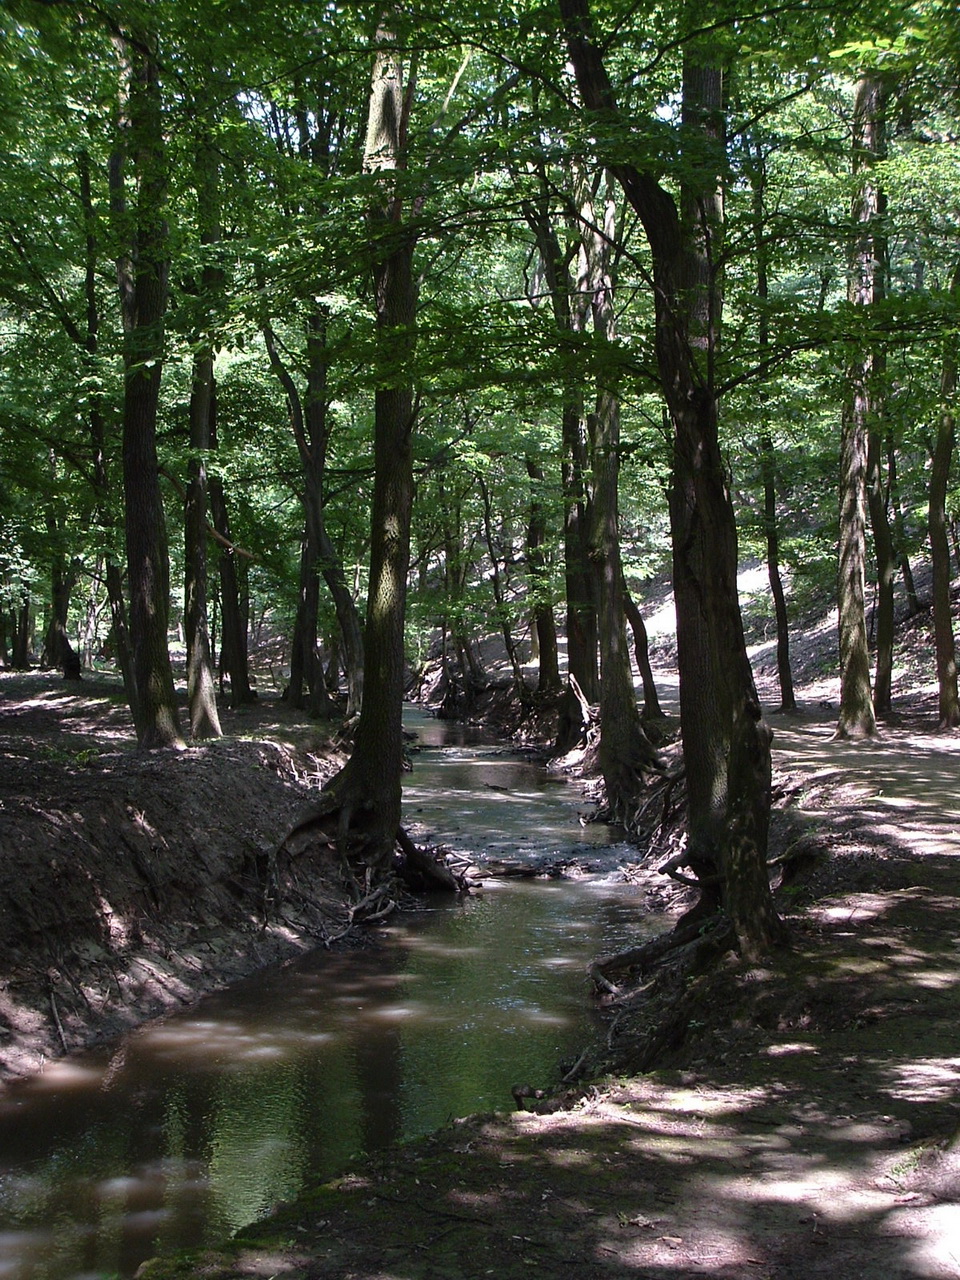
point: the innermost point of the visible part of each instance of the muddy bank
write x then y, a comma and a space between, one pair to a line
131, 884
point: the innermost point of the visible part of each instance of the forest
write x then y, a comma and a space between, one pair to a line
353, 355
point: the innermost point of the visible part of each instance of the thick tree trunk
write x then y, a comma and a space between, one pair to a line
726, 744
142, 282
365, 795
944, 642
57, 650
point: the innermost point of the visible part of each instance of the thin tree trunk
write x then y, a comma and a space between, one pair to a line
500, 603
900, 533
624, 752
544, 624
944, 642
201, 692
886, 574
98, 440
233, 632
768, 467
641, 652
580, 587
201, 689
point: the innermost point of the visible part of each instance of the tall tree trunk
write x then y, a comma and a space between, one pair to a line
366, 794
625, 754
142, 278
726, 744
569, 310
857, 715
102, 487
201, 689
944, 642
768, 466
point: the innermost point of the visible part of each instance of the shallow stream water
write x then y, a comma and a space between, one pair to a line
194, 1126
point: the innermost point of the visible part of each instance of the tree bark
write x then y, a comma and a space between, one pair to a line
366, 794
142, 279
944, 641
103, 489
768, 466
201, 689
233, 628
857, 714
726, 744
625, 754
309, 419
641, 652
545, 627
580, 588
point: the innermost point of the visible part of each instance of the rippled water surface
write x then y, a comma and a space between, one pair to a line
195, 1126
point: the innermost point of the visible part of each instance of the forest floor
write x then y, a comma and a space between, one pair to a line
803, 1118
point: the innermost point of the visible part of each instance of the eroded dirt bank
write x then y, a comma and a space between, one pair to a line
132, 883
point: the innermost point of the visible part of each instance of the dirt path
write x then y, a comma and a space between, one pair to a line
808, 1124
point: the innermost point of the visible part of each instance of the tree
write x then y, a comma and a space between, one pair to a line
726, 744
365, 795
142, 278
944, 644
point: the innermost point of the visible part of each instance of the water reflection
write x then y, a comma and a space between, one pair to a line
199, 1124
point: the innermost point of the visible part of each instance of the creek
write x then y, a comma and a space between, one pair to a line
198, 1124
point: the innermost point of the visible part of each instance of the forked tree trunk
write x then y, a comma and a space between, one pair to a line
641, 652
726, 744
